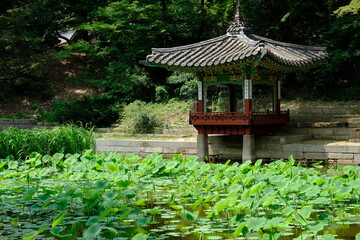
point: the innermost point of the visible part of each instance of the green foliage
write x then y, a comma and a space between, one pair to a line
352, 8
140, 117
153, 115
23, 42
186, 85
20, 143
126, 30
93, 196
161, 94
144, 122
349, 94
91, 110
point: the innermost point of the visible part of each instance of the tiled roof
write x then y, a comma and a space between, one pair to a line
229, 49
234, 48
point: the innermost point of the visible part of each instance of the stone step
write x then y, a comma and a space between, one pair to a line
326, 133
145, 136
309, 124
346, 116
25, 123
164, 129
188, 131
330, 124
350, 118
107, 130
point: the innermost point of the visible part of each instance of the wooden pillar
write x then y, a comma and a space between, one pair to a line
202, 139
232, 100
248, 96
277, 97
200, 95
248, 151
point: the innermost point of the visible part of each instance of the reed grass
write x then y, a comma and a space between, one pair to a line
19, 143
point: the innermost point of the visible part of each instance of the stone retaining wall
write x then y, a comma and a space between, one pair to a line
329, 151
317, 111
230, 147
17, 123
341, 134
324, 120
143, 148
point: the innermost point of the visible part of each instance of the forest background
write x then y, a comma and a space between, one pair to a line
113, 36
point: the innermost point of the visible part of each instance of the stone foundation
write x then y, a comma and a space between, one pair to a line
230, 147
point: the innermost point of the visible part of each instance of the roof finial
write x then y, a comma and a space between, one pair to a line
237, 14
238, 25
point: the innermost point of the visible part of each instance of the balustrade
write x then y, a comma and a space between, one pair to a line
239, 118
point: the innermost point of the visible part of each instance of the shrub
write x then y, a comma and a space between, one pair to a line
140, 117
91, 110
152, 115
349, 94
64, 139
144, 123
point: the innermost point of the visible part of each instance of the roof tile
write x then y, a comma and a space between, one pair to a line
233, 49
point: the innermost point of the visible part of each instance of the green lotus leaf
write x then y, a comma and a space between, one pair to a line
140, 236
93, 231
255, 224
58, 219
33, 234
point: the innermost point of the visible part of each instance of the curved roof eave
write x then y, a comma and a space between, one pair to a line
233, 49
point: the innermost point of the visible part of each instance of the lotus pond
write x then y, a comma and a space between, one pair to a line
110, 196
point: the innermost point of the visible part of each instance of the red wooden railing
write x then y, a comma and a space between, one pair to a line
239, 118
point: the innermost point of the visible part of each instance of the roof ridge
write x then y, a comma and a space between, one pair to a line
185, 47
287, 44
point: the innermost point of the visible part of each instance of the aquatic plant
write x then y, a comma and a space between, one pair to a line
93, 196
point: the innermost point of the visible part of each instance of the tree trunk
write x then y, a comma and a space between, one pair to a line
12, 3
202, 22
164, 4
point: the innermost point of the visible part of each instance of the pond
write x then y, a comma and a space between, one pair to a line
109, 196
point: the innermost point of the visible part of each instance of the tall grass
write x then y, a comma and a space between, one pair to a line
64, 139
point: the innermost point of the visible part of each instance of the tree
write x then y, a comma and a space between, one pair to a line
27, 39
126, 31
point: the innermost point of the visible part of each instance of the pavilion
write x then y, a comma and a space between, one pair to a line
237, 58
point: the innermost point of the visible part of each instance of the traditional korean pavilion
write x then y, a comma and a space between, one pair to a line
237, 59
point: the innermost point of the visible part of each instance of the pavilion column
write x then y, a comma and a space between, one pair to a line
202, 146
200, 95
202, 138
248, 151
248, 96
277, 97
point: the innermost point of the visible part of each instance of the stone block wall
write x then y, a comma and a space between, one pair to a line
146, 147
316, 111
17, 123
324, 120
230, 147
224, 147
